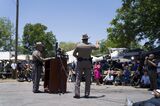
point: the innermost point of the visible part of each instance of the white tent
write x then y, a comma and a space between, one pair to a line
114, 54
98, 59
23, 57
73, 59
94, 58
6, 55
124, 60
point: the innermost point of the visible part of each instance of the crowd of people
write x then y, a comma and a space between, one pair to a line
144, 73
21, 70
138, 73
135, 73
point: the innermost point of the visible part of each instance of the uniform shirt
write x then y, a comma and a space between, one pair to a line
37, 55
84, 50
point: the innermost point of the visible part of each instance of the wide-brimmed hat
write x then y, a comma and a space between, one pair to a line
85, 36
39, 44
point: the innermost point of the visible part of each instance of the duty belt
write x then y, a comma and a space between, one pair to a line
84, 59
37, 62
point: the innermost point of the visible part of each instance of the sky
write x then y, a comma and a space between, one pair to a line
67, 19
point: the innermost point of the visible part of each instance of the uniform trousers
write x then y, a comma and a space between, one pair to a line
36, 75
153, 79
83, 67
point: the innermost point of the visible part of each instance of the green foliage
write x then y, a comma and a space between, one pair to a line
37, 32
103, 47
135, 20
102, 50
96, 52
67, 46
6, 34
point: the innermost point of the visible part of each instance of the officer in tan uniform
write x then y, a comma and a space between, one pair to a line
37, 65
84, 64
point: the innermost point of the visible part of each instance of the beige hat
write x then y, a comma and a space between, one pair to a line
85, 36
39, 44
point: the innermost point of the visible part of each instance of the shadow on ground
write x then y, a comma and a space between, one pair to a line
93, 97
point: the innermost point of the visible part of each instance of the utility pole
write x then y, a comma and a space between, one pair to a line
16, 37
14, 74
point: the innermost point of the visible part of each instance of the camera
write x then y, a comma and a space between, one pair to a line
146, 58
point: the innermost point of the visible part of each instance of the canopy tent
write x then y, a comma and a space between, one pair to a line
121, 59
114, 54
73, 59
6, 55
124, 60
23, 57
98, 59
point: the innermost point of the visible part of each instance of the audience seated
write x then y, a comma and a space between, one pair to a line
126, 75
118, 79
108, 79
145, 81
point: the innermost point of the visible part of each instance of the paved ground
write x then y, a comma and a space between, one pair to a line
13, 93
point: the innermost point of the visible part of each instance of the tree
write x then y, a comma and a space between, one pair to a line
37, 32
121, 33
103, 49
67, 46
6, 34
136, 20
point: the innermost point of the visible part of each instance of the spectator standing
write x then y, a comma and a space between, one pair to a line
150, 62
14, 70
97, 74
158, 75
